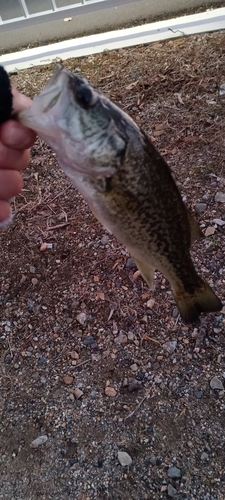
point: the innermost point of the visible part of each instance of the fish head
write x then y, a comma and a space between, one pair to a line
79, 123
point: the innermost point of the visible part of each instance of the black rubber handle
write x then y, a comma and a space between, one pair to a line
6, 98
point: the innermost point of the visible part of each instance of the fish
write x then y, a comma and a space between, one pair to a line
126, 182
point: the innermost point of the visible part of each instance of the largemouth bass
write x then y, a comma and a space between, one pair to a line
126, 182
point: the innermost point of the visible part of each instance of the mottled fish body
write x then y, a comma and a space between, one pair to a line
126, 182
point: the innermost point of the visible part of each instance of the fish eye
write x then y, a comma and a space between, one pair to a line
84, 97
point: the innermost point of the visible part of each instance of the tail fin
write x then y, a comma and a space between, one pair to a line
203, 300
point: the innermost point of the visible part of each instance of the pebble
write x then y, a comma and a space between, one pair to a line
104, 239
124, 459
198, 394
204, 456
34, 281
88, 340
68, 380
39, 441
200, 207
130, 264
219, 222
130, 336
134, 384
121, 339
8, 358
110, 391
215, 383
210, 230
170, 346
81, 318
74, 355
150, 303
41, 361
134, 367
32, 269
171, 491
220, 197
77, 393
174, 473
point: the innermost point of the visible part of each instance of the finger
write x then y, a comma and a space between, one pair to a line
13, 159
4, 210
14, 135
20, 101
11, 184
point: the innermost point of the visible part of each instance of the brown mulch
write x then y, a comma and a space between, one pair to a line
63, 283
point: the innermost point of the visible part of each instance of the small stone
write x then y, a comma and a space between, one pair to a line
200, 207
131, 264
124, 459
153, 460
34, 281
43, 380
88, 340
198, 394
74, 355
32, 269
130, 336
58, 393
134, 384
41, 361
104, 239
150, 303
110, 392
163, 488
219, 222
222, 89
71, 397
39, 441
220, 197
134, 367
170, 346
172, 492
81, 318
204, 456
68, 380
216, 384
8, 358
121, 339
210, 231
78, 393
174, 473
43, 247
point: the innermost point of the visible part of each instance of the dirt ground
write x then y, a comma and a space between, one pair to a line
92, 361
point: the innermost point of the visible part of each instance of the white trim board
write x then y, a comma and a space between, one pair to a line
211, 20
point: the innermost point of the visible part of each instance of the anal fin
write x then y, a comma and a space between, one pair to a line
147, 271
196, 233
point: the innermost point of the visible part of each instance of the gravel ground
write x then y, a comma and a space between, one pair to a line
106, 393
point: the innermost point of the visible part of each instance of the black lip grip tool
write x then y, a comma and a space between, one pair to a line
6, 98
6, 106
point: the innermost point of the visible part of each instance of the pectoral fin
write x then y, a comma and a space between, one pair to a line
147, 272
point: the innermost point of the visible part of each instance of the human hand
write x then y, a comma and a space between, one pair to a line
15, 141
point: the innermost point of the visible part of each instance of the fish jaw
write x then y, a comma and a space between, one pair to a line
85, 141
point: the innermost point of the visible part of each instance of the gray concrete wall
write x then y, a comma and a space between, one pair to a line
93, 18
